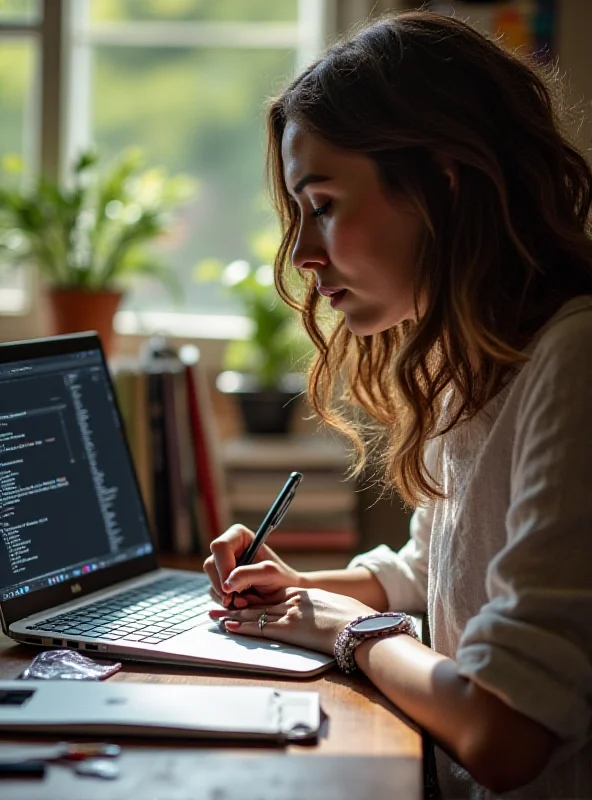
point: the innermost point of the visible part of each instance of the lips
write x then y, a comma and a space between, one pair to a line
327, 291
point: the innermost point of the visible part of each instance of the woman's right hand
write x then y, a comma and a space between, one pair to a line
259, 583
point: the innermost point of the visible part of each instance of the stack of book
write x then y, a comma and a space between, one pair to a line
322, 515
165, 406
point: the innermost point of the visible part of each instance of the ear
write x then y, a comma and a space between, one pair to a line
452, 174
449, 169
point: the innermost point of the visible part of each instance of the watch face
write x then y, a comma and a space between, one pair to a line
376, 624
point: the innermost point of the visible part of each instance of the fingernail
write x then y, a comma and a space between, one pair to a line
227, 599
232, 624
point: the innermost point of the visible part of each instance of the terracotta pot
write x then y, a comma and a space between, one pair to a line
73, 310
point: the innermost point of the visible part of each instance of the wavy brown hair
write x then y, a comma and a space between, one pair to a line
499, 256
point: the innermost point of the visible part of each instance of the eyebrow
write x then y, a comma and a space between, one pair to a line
311, 178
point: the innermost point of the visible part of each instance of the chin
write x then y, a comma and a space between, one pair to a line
368, 327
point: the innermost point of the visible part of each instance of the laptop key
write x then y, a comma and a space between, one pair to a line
187, 624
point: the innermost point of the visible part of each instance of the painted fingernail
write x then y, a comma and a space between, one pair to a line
232, 624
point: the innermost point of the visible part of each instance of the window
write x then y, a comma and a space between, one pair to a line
19, 70
186, 80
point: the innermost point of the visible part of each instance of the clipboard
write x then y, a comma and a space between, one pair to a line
159, 710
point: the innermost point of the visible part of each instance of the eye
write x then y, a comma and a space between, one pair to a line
318, 212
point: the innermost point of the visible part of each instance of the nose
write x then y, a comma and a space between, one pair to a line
308, 252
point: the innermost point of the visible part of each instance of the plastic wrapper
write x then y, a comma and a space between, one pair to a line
68, 665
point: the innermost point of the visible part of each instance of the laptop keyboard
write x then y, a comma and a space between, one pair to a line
149, 614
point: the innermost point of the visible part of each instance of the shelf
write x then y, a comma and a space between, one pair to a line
303, 562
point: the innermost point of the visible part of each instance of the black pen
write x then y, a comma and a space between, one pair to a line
272, 519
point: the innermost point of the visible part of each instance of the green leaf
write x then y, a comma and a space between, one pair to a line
88, 158
12, 163
72, 233
208, 270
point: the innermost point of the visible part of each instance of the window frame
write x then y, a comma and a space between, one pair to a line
65, 39
22, 305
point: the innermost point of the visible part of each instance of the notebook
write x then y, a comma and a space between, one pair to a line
77, 563
151, 709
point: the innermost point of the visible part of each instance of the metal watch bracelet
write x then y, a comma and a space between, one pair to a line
348, 640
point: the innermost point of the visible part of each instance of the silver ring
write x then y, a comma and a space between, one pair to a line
262, 620
222, 624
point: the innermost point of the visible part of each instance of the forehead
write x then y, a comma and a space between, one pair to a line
302, 153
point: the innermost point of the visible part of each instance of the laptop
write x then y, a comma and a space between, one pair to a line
77, 563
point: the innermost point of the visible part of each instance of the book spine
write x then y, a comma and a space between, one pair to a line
162, 504
208, 474
192, 497
141, 444
180, 522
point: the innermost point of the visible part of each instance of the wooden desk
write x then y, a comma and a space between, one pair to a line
367, 749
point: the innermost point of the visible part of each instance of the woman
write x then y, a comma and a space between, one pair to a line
424, 186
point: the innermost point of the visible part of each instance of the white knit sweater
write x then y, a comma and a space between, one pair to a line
503, 565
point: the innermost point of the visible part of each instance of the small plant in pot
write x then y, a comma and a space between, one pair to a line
89, 238
265, 370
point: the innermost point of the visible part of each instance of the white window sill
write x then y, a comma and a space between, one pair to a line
13, 301
182, 326
22, 315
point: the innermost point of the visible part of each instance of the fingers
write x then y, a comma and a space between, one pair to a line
216, 591
264, 576
216, 597
247, 621
225, 550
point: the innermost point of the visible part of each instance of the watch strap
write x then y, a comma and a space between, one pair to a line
348, 639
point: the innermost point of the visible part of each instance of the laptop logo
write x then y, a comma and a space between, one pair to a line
75, 588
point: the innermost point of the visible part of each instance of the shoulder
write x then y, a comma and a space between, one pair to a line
562, 350
556, 383
567, 334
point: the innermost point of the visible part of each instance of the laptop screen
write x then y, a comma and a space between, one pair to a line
69, 502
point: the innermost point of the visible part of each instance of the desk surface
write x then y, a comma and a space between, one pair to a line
366, 749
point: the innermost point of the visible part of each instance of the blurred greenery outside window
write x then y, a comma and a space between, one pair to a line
19, 119
186, 81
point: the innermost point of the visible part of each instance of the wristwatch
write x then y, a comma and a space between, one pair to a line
371, 626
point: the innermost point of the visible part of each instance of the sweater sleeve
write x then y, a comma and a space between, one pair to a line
404, 574
531, 643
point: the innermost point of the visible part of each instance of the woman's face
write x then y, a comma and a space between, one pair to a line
362, 244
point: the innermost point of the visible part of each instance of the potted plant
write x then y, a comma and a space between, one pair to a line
89, 237
265, 370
